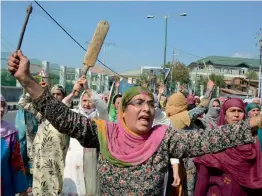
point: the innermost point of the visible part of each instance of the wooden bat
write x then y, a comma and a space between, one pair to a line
94, 47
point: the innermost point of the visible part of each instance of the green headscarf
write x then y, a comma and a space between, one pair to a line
251, 106
134, 91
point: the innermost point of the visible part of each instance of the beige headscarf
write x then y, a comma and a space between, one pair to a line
176, 110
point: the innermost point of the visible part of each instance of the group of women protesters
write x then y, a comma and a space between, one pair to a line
137, 148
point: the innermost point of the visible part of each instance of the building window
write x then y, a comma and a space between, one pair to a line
241, 72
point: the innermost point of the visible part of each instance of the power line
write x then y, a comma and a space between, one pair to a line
185, 52
72, 37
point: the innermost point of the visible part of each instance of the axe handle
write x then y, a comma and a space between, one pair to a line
29, 11
76, 93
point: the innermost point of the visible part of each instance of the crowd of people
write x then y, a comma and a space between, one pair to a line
137, 144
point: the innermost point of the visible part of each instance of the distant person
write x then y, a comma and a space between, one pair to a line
13, 177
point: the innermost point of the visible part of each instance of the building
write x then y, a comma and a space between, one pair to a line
243, 85
133, 75
233, 69
229, 67
99, 77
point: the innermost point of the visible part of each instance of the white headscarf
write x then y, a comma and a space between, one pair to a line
89, 113
160, 116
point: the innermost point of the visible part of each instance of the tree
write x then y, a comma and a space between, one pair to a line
251, 75
180, 72
218, 80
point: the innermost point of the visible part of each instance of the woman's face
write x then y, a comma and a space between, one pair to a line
139, 114
58, 94
87, 102
2, 109
216, 104
253, 112
234, 114
117, 102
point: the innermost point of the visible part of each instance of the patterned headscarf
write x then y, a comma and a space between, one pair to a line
58, 87
232, 102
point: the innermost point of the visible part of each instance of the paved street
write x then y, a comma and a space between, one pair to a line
10, 116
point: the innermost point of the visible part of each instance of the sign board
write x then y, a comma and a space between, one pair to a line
42, 73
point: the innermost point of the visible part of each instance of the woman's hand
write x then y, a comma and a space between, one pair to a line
210, 84
80, 84
18, 66
177, 180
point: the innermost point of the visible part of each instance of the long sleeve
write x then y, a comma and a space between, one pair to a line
26, 103
100, 106
195, 113
18, 170
195, 143
67, 121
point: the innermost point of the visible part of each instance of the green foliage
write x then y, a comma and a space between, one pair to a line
7, 79
218, 79
251, 75
180, 73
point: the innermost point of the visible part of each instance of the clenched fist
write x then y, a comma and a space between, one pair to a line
18, 65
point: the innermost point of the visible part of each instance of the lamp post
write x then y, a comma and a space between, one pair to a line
166, 20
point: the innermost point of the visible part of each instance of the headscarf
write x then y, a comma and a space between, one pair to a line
160, 116
113, 110
176, 110
58, 87
251, 106
176, 103
243, 162
212, 114
232, 102
121, 146
86, 112
6, 128
6, 107
254, 100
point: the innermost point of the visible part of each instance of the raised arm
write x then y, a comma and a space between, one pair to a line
57, 113
195, 143
100, 105
25, 102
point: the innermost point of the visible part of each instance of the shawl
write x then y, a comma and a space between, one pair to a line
176, 110
210, 118
243, 162
121, 146
232, 102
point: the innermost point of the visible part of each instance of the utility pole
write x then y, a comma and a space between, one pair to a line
259, 36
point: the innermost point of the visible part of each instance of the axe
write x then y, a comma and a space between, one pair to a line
94, 47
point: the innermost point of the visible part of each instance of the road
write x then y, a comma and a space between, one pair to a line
10, 116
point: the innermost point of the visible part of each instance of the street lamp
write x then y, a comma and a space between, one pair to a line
166, 17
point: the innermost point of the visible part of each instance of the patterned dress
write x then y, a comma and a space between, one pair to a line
48, 153
146, 178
